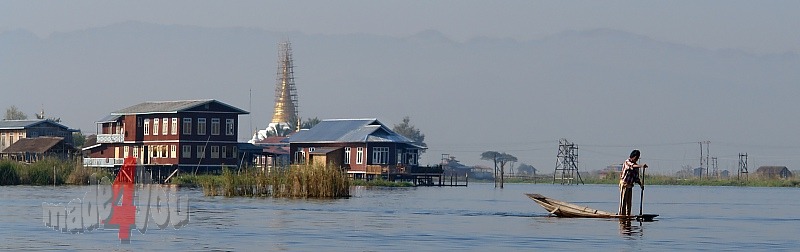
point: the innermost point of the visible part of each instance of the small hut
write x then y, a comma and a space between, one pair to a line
34, 149
774, 172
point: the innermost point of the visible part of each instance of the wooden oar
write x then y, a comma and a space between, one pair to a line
641, 197
644, 217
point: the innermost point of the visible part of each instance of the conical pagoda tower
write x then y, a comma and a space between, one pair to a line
286, 112
285, 119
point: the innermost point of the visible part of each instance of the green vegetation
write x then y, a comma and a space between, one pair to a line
45, 172
8, 173
381, 183
311, 181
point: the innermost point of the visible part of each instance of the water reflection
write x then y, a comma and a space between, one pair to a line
626, 228
474, 218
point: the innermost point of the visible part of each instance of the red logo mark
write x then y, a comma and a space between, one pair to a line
123, 211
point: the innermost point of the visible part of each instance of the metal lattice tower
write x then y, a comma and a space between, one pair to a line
286, 106
742, 166
567, 163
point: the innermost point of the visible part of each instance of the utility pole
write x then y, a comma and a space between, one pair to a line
701, 158
706, 164
707, 154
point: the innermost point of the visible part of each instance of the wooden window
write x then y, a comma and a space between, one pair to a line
186, 151
201, 126
214, 151
187, 126
224, 152
201, 151
215, 126
299, 156
360, 155
155, 127
229, 127
346, 155
411, 157
399, 157
380, 155
164, 129
174, 129
146, 127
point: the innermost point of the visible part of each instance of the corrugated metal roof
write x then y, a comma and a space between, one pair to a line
33, 145
21, 124
323, 150
17, 124
331, 130
170, 107
348, 131
109, 118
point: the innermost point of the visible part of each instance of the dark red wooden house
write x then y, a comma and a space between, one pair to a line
192, 135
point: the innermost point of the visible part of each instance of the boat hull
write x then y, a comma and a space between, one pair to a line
569, 210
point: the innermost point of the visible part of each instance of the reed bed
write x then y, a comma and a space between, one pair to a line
307, 181
49, 171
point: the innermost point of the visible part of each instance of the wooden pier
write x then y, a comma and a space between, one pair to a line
430, 176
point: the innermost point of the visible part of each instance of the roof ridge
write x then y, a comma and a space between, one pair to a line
350, 119
189, 100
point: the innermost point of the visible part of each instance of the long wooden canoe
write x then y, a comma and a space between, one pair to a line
565, 209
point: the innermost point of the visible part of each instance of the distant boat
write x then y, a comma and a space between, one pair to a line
569, 210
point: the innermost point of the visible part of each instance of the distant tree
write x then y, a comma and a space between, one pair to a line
310, 123
407, 130
500, 159
527, 169
78, 139
13, 113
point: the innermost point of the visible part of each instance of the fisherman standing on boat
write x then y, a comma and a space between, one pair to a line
629, 176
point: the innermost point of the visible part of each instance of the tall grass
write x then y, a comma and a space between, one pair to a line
49, 171
307, 181
8, 173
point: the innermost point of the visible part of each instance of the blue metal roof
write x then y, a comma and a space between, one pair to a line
22, 124
348, 131
17, 124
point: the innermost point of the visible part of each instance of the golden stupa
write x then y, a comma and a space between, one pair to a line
286, 112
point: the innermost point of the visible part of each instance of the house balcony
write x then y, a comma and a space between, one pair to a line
102, 162
110, 138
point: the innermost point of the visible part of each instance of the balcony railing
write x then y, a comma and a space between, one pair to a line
102, 162
110, 138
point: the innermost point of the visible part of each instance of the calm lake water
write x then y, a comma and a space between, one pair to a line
475, 218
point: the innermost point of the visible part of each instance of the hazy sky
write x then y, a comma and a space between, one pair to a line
759, 27
754, 26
